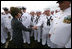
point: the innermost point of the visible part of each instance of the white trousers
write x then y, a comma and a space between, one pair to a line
3, 39
45, 37
68, 45
37, 34
3, 36
50, 44
26, 37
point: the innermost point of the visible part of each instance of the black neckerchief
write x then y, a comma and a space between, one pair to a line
37, 19
48, 21
32, 18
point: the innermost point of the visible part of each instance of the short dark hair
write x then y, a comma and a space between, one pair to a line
14, 11
5, 9
23, 8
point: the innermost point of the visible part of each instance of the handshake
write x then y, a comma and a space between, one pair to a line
33, 27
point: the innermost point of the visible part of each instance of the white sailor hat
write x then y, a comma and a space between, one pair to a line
47, 9
38, 11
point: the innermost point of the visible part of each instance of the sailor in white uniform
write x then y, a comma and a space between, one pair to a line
7, 21
61, 31
32, 14
3, 33
8, 24
26, 19
37, 33
46, 21
68, 45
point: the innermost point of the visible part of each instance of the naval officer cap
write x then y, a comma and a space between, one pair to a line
5, 9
